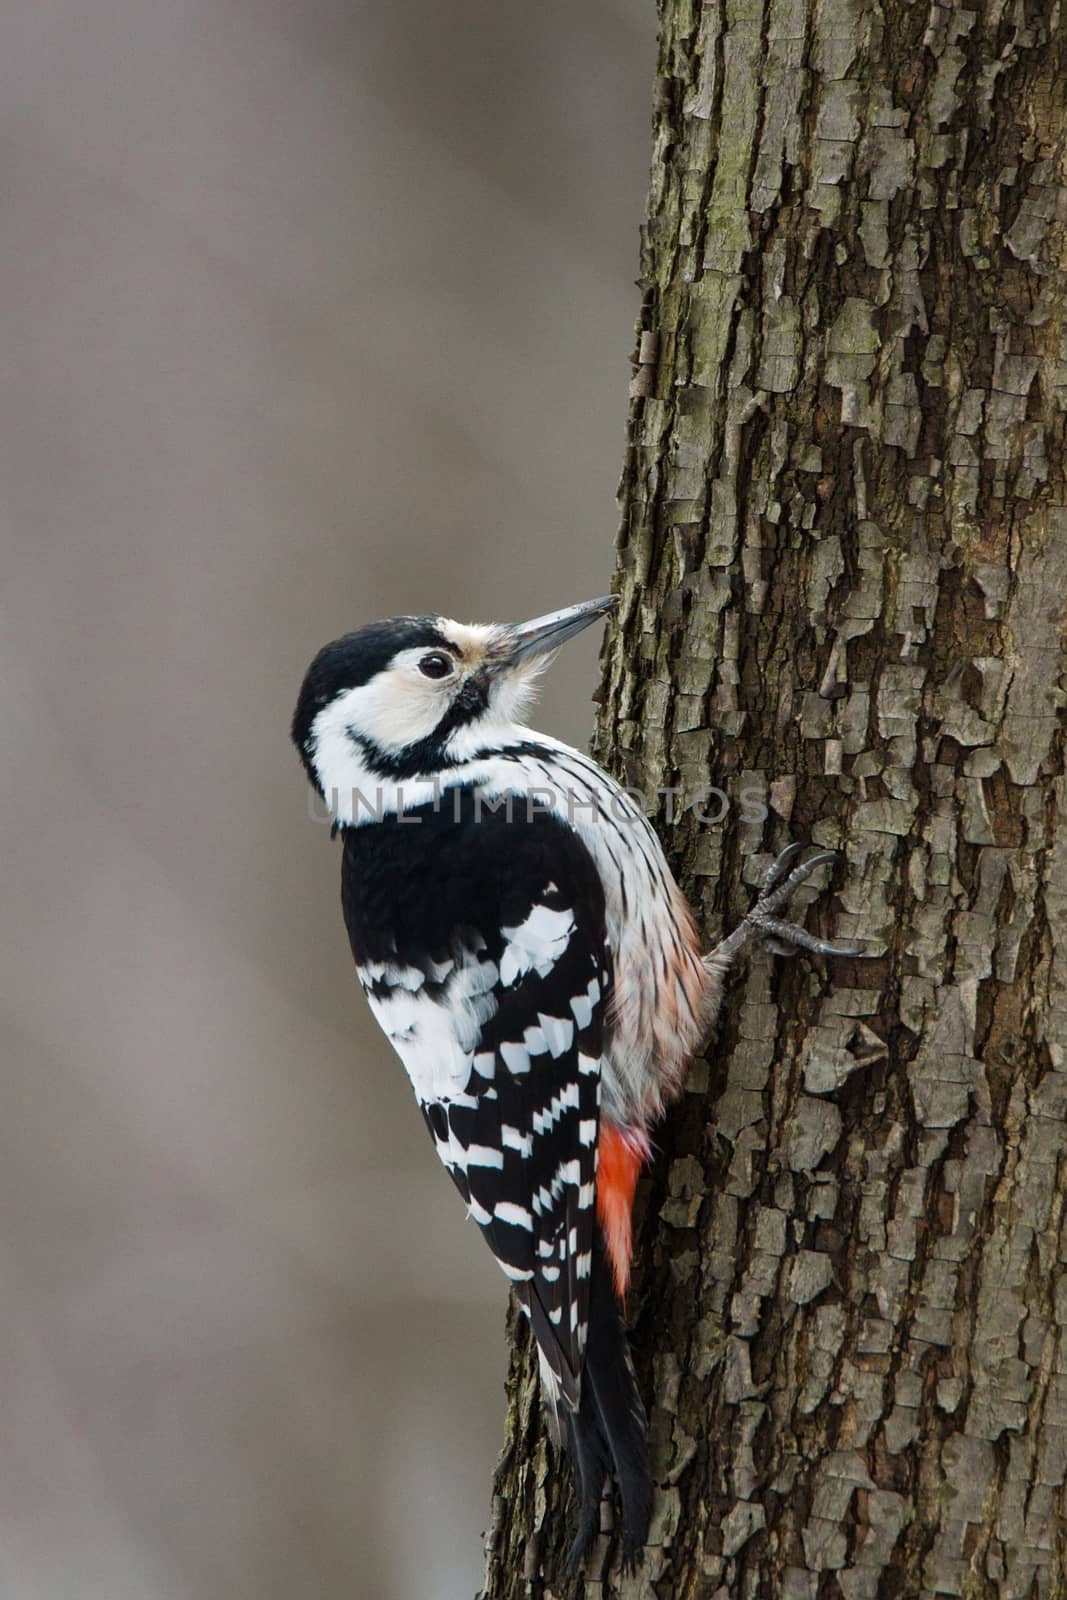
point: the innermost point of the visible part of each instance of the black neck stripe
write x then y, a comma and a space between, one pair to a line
428, 755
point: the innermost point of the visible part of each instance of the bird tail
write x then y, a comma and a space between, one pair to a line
608, 1430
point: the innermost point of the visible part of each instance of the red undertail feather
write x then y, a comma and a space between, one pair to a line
622, 1155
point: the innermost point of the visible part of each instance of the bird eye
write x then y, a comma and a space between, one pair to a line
435, 665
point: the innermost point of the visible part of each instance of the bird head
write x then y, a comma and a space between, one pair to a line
412, 696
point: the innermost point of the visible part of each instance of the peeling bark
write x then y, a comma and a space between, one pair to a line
843, 562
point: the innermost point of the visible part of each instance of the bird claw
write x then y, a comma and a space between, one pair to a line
779, 867
775, 893
780, 883
786, 938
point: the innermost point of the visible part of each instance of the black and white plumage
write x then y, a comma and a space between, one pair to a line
481, 945
525, 949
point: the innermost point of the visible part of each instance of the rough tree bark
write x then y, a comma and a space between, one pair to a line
843, 563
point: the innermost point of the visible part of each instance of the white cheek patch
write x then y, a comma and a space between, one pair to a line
396, 708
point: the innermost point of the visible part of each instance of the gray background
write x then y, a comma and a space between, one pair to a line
309, 313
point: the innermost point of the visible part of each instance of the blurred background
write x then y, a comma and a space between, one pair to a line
309, 313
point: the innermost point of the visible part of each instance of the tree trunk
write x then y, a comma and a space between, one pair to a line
843, 563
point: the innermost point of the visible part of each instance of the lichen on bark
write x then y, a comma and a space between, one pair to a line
843, 563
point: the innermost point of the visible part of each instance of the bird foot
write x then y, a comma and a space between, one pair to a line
780, 883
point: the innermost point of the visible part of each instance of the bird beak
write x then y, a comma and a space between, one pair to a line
523, 640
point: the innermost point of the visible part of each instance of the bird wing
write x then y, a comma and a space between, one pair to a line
502, 1033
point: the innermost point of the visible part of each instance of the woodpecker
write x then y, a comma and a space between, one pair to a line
523, 945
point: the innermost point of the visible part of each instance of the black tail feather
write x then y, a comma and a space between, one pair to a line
592, 1462
608, 1432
